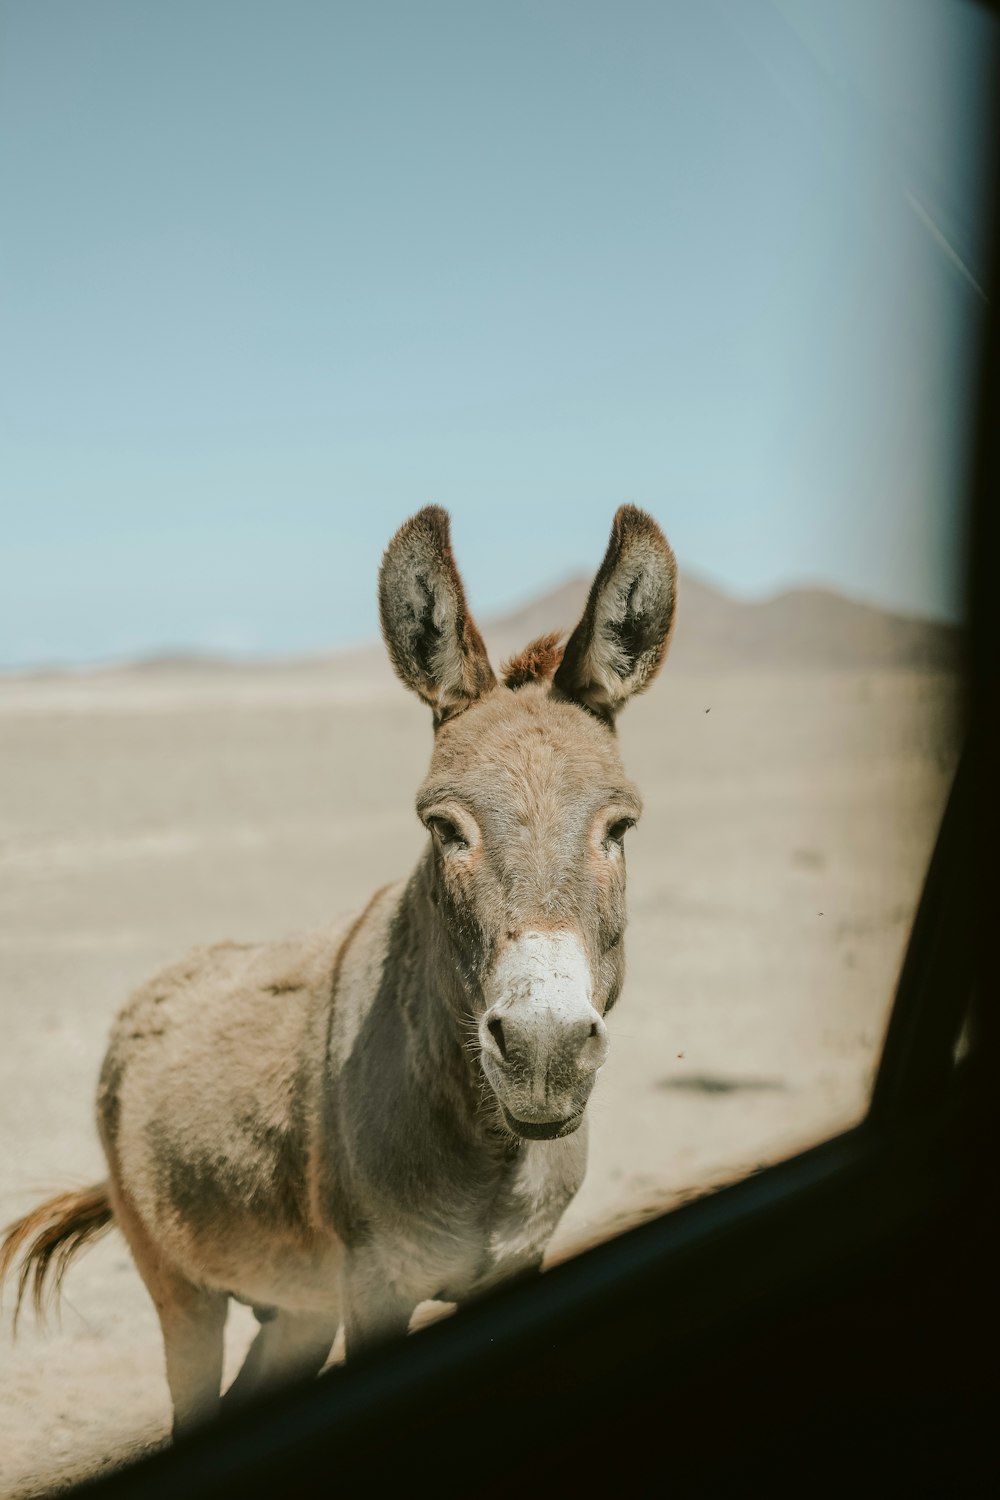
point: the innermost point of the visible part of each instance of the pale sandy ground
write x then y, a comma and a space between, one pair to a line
788, 823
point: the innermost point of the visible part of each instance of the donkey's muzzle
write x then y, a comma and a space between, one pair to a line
541, 1039
521, 1038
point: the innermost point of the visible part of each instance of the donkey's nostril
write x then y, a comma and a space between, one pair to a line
594, 1049
495, 1029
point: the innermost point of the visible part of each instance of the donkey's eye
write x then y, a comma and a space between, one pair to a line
446, 833
616, 833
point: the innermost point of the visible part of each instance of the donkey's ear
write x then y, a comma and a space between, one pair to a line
431, 637
619, 645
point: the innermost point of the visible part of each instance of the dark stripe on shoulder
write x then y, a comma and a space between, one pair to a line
349, 937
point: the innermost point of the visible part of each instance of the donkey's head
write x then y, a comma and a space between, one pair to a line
528, 804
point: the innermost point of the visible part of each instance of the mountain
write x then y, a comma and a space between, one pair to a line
801, 629
798, 628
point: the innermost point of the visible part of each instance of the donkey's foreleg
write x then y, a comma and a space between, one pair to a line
289, 1346
374, 1309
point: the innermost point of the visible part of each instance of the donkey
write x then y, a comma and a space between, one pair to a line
338, 1127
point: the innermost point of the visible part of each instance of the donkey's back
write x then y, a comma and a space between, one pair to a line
205, 1099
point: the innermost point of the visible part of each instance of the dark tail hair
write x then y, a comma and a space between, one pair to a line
48, 1238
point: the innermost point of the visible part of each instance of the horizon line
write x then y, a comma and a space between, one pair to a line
205, 654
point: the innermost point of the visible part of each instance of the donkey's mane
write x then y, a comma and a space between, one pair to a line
536, 663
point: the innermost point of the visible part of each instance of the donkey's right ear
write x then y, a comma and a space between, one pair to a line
431, 637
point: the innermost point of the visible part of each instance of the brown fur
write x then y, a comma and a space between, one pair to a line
536, 663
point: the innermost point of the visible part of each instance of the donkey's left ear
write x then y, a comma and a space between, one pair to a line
430, 634
619, 645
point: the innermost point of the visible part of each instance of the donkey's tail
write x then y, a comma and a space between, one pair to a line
47, 1239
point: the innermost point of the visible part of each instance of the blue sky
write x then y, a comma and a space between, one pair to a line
274, 275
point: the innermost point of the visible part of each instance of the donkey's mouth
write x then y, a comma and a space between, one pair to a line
541, 1130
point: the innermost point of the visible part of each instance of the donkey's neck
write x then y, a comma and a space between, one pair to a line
438, 1000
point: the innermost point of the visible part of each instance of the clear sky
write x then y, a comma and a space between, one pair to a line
275, 273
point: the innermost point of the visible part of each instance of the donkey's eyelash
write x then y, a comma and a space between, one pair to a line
617, 831
447, 833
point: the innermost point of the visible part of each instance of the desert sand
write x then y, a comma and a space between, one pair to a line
794, 765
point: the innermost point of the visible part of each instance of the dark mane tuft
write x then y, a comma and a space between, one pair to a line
535, 663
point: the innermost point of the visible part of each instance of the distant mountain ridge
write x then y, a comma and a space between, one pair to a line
798, 628
805, 628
